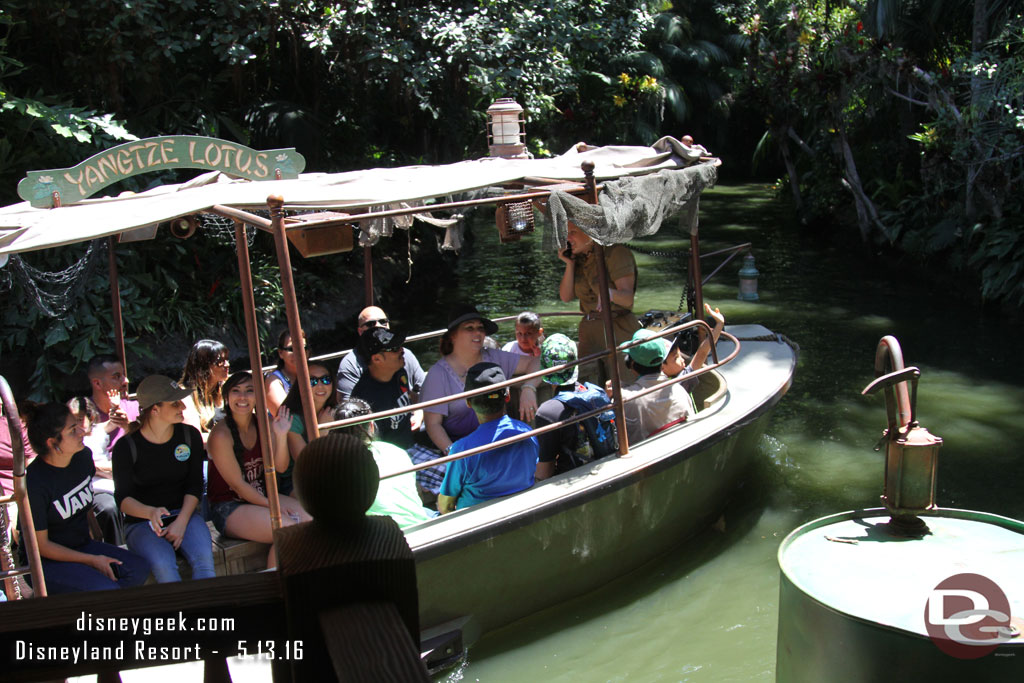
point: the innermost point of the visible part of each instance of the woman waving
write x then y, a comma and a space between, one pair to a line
237, 489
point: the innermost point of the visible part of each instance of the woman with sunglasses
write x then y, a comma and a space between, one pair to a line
324, 400
278, 382
206, 369
60, 495
238, 487
158, 483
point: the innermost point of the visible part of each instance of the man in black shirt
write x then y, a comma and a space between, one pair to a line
386, 384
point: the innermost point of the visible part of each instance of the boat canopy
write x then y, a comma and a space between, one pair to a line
622, 214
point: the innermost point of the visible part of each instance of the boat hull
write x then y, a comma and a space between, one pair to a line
578, 531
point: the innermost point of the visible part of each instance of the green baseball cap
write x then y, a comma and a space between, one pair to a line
649, 354
558, 350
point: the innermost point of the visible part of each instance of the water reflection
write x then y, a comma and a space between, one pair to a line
708, 610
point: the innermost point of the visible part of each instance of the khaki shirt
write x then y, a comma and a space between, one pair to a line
618, 260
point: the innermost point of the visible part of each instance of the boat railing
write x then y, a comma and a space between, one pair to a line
671, 330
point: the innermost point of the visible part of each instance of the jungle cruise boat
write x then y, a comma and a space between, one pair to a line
479, 568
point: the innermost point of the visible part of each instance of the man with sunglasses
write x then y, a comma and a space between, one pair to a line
354, 364
386, 384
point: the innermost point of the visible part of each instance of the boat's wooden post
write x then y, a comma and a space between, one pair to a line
253, 338
115, 302
291, 307
368, 275
606, 316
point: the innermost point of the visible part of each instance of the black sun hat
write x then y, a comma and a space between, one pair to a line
465, 313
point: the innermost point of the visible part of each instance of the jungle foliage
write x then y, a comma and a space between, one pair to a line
901, 121
904, 119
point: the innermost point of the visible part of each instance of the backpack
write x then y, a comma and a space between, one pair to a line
597, 431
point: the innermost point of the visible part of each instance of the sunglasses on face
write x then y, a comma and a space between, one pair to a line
289, 349
323, 379
382, 322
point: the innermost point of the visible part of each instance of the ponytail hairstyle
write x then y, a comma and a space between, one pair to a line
82, 406
229, 384
140, 422
355, 407
44, 421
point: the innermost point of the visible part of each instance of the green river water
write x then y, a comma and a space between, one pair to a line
708, 611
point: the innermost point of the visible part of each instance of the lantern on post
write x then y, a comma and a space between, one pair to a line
748, 279
506, 129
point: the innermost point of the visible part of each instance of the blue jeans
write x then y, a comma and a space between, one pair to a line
70, 577
196, 546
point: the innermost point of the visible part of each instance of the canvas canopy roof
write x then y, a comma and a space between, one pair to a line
24, 228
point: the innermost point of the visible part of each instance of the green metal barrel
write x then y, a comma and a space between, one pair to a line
859, 602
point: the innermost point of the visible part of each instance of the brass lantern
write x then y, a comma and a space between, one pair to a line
506, 129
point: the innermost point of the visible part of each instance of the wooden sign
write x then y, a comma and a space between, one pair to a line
157, 154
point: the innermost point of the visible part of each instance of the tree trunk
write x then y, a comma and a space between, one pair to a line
794, 177
867, 214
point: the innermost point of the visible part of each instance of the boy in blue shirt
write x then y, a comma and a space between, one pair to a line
493, 473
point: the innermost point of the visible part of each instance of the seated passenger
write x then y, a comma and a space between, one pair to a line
529, 335
237, 489
278, 382
494, 473
386, 385
60, 494
158, 483
324, 400
104, 507
109, 398
653, 411
462, 347
396, 496
354, 364
205, 370
563, 449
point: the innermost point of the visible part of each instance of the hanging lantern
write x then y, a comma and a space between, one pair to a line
514, 219
506, 129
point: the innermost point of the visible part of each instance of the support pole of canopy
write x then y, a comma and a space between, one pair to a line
253, 338
115, 302
606, 316
291, 307
368, 274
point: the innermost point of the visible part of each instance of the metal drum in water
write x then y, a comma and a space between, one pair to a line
859, 602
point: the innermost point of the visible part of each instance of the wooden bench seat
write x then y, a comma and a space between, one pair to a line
234, 556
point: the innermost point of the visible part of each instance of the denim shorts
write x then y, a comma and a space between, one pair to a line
219, 513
